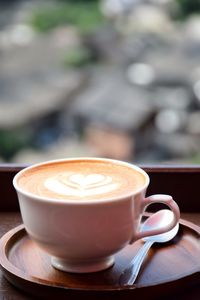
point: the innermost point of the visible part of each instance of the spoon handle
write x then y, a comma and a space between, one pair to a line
129, 275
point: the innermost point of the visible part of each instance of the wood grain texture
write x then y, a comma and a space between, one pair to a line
8, 220
164, 271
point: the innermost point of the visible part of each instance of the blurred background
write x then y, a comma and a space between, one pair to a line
110, 78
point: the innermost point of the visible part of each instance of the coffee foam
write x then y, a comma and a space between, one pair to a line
76, 180
79, 185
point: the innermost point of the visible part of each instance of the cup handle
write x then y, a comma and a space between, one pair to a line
167, 200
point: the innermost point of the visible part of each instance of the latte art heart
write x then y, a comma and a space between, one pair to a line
87, 181
81, 179
80, 185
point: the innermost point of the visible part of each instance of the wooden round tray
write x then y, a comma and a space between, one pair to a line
167, 269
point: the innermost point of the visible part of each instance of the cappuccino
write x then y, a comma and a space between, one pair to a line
82, 211
81, 179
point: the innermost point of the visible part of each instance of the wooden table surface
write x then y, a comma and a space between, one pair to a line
9, 220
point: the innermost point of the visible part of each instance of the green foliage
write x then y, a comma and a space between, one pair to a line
196, 159
11, 142
85, 15
188, 7
78, 57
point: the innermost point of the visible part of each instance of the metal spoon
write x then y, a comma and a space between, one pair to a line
157, 220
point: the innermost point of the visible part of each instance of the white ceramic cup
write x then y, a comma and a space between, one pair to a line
83, 236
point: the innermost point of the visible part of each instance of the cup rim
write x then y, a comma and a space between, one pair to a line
85, 201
